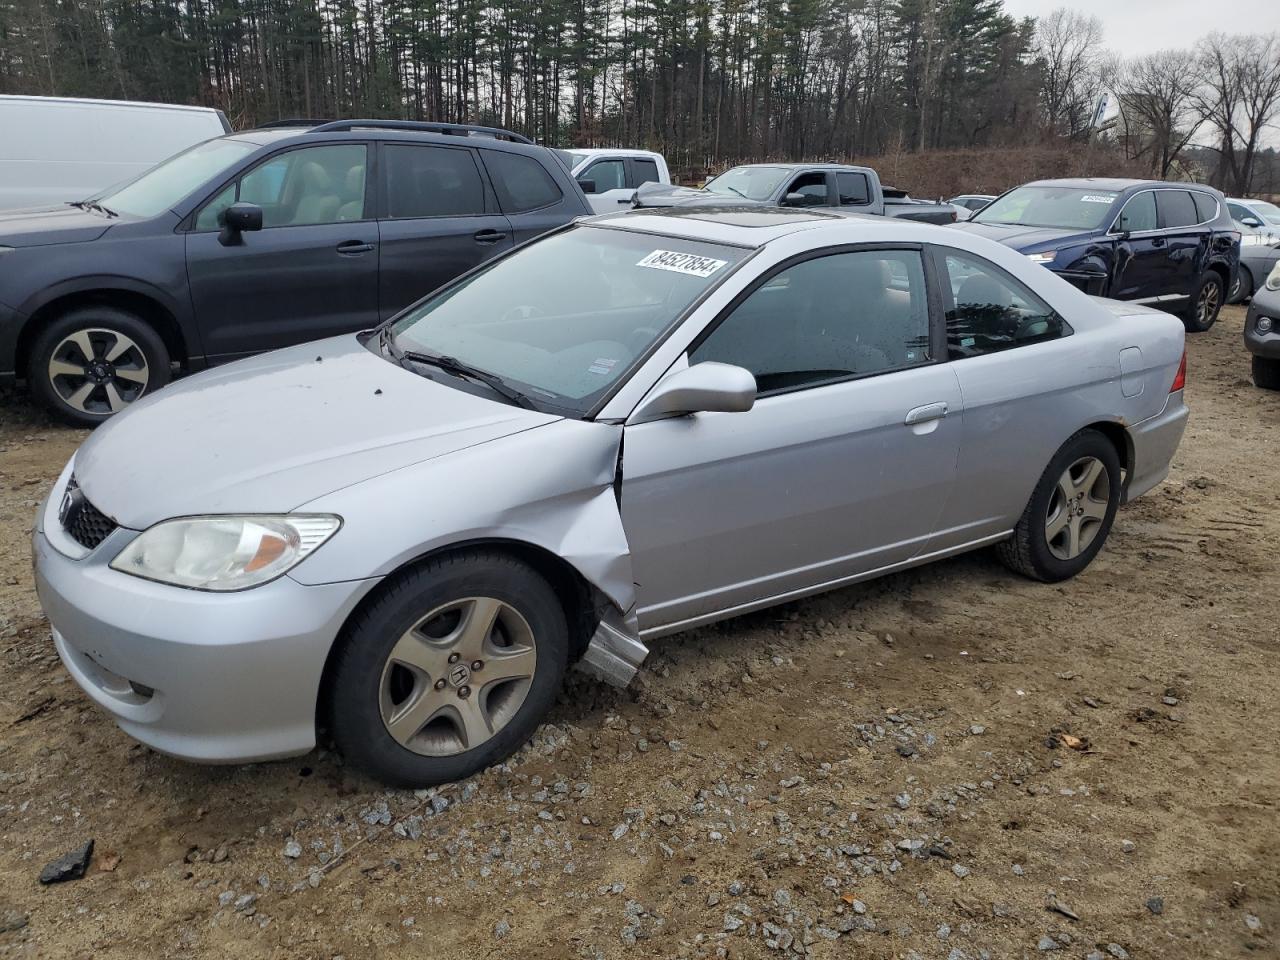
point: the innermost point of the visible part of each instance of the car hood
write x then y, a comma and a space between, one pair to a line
268, 434
1021, 237
42, 226
654, 194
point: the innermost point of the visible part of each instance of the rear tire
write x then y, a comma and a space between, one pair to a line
1242, 286
93, 362
448, 670
1205, 303
1070, 513
1266, 373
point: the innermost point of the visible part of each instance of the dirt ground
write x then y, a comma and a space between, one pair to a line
877, 772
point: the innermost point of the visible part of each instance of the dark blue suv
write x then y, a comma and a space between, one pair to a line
1170, 245
258, 240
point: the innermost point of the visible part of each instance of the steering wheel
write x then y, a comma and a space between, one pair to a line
523, 312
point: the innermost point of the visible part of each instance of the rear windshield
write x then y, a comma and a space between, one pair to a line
1065, 208
164, 186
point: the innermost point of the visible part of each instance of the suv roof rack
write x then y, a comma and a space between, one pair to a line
455, 129
291, 122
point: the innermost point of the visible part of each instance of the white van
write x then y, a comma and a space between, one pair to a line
610, 177
57, 149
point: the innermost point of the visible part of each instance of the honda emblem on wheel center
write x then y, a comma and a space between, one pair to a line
460, 674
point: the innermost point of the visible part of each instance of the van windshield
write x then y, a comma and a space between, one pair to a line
163, 186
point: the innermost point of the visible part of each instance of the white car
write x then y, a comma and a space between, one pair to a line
609, 178
970, 203
61, 149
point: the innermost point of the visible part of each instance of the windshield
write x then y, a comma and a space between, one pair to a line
163, 186
565, 318
752, 183
1065, 208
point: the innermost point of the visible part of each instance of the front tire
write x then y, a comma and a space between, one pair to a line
92, 362
1205, 303
1266, 373
1070, 513
448, 670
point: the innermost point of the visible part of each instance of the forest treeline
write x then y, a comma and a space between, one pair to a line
706, 81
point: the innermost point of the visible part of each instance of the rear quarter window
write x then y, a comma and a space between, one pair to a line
521, 182
1206, 206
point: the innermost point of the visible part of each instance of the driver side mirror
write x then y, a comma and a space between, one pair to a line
707, 387
1251, 222
794, 200
588, 186
236, 219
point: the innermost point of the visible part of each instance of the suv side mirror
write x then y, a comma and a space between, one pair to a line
1251, 222
236, 219
588, 186
795, 200
707, 387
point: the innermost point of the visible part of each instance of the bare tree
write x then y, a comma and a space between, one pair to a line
1239, 98
1157, 95
1068, 50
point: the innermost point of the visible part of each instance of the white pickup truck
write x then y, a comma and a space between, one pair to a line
610, 178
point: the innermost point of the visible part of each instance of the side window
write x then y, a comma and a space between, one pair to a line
988, 310
432, 182
646, 171
521, 182
299, 188
811, 186
1206, 207
607, 174
1177, 208
853, 188
842, 315
208, 219
1138, 214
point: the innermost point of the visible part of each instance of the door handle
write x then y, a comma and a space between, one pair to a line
352, 247
624, 199
930, 411
489, 236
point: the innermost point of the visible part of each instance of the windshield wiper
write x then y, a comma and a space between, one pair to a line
737, 191
95, 205
459, 369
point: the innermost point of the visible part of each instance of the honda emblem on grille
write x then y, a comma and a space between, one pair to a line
72, 503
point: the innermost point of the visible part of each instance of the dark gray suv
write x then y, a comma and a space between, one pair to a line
258, 240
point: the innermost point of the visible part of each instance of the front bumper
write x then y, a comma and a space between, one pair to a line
1155, 441
221, 678
1266, 303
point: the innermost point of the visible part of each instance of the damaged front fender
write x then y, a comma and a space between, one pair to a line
550, 487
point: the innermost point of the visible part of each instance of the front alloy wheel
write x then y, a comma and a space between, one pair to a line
98, 372
449, 667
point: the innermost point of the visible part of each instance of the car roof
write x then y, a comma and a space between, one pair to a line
824, 165
89, 101
618, 151
1116, 184
264, 136
747, 226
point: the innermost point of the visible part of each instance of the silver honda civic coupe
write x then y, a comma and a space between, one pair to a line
637, 424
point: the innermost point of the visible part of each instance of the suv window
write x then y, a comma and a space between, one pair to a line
853, 189
646, 171
607, 174
521, 181
811, 186
1206, 207
830, 318
988, 310
1138, 214
432, 182
303, 187
1177, 208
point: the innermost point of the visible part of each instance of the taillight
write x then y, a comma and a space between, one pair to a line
1180, 379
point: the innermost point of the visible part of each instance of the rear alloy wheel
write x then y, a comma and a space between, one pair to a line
1206, 303
1070, 513
1266, 373
93, 362
448, 670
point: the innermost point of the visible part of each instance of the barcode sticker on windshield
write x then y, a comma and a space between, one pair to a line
687, 263
1097, 198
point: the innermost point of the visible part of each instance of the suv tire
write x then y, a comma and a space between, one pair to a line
448, 670
1070, 512
1206, 302
1266, 373
92, 362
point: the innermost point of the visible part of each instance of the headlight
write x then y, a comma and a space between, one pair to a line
1048, 256
224, 553
1273, 278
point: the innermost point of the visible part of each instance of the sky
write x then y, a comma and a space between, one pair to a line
1144, 26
